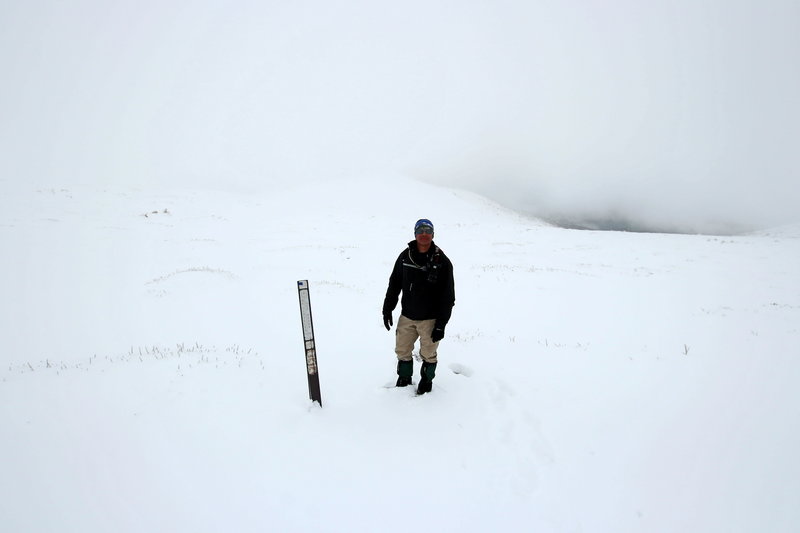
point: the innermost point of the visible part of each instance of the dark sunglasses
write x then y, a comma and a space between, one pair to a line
427, 230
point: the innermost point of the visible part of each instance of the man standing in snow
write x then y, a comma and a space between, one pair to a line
425, 276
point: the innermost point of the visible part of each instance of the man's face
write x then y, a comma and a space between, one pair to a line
424, 235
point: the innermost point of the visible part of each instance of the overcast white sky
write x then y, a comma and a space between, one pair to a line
666, 112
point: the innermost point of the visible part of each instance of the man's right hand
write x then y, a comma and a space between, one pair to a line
387, 320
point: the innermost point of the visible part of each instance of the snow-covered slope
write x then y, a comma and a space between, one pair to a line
152, 374
791, 231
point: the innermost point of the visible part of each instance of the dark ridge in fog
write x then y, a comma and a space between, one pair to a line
621, 223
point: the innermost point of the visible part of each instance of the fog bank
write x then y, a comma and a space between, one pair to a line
678, 116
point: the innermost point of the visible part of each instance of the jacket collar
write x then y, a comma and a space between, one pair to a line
414, 252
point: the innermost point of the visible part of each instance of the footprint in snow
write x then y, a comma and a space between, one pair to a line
461, 370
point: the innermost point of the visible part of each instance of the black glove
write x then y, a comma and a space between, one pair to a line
438, 334
387, 320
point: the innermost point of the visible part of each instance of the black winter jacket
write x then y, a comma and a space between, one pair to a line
427, 284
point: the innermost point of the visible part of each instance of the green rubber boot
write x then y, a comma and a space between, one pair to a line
427, 373
405, 369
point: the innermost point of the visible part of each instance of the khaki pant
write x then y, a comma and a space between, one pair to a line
408, 331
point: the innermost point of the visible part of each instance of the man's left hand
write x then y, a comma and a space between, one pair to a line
438, 334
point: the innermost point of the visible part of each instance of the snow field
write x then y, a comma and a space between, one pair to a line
152, 373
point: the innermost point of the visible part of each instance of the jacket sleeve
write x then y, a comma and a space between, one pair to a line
395, 285
448, 298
